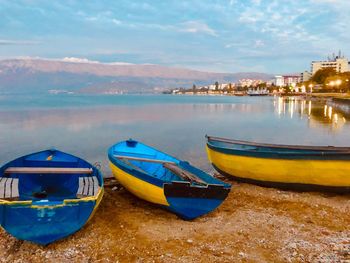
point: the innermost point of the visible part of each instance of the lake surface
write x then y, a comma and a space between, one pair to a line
87, 125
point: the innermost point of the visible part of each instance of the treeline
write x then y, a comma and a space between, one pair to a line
229, 88
328, 80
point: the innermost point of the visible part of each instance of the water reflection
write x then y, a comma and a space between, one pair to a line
176, 125
88, 132
327, 114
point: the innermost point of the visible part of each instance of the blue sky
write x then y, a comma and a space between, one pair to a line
221, 36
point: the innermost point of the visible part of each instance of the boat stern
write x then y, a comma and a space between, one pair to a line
190, 201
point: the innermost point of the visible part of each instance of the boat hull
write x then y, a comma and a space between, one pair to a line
296, 174
182, 198
45, 224
43, 220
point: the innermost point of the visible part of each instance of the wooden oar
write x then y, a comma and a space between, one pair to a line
171, 166
183, 173
142, 159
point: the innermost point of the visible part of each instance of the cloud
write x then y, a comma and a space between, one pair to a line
101, 17
116, 21
259, 43
197, 27
78, 60
7, 42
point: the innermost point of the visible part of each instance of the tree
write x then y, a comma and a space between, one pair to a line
216, 85
322, 74
194, 88
262, 85
230, 88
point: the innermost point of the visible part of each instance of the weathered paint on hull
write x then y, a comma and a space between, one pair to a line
140, 188
187, 208
325, 173
45, 224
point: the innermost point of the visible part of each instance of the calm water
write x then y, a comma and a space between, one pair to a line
87, 125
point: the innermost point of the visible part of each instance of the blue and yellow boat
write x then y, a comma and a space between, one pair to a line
164, 180
48, 195
302, 168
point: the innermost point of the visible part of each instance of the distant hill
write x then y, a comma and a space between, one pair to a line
40, 75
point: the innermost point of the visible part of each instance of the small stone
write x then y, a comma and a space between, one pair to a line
189, 241
241, 254
293, 245
114, 188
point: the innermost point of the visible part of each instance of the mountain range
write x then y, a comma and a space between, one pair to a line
29, 75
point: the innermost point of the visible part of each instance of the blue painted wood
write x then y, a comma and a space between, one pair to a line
278, 151
189, 200
47, 217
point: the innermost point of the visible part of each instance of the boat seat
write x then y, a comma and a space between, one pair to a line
88, 186
9, 187
47, 170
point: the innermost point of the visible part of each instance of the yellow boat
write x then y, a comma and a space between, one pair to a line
165, 180
301, 168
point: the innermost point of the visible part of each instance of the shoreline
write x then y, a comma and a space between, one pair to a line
254, 224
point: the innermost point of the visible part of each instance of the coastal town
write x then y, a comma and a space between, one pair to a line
175, 131
330, 75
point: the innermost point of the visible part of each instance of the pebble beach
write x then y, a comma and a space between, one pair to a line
254, 224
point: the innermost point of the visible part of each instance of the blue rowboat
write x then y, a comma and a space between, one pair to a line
301, 168
48, 195
164, 180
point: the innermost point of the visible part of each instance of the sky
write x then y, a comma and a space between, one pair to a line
220, 36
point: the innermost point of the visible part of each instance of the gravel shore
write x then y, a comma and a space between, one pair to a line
254, 224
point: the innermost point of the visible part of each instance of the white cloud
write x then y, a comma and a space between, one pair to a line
8, 42
251, 16
197, 27
78, 60
259, 43
85, 60
116, 21
232, 2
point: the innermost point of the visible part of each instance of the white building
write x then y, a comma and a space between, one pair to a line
305, 76
279, 81
339, 64
287, 80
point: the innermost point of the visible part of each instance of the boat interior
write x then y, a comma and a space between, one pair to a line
157, 164
48, 176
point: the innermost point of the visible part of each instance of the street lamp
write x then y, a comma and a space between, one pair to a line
310, 86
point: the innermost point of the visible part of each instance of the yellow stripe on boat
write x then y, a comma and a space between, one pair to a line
96, 198
316, 172
98, 201
140, 188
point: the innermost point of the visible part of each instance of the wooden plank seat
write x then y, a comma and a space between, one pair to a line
88, 186
47, 170
9, 187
